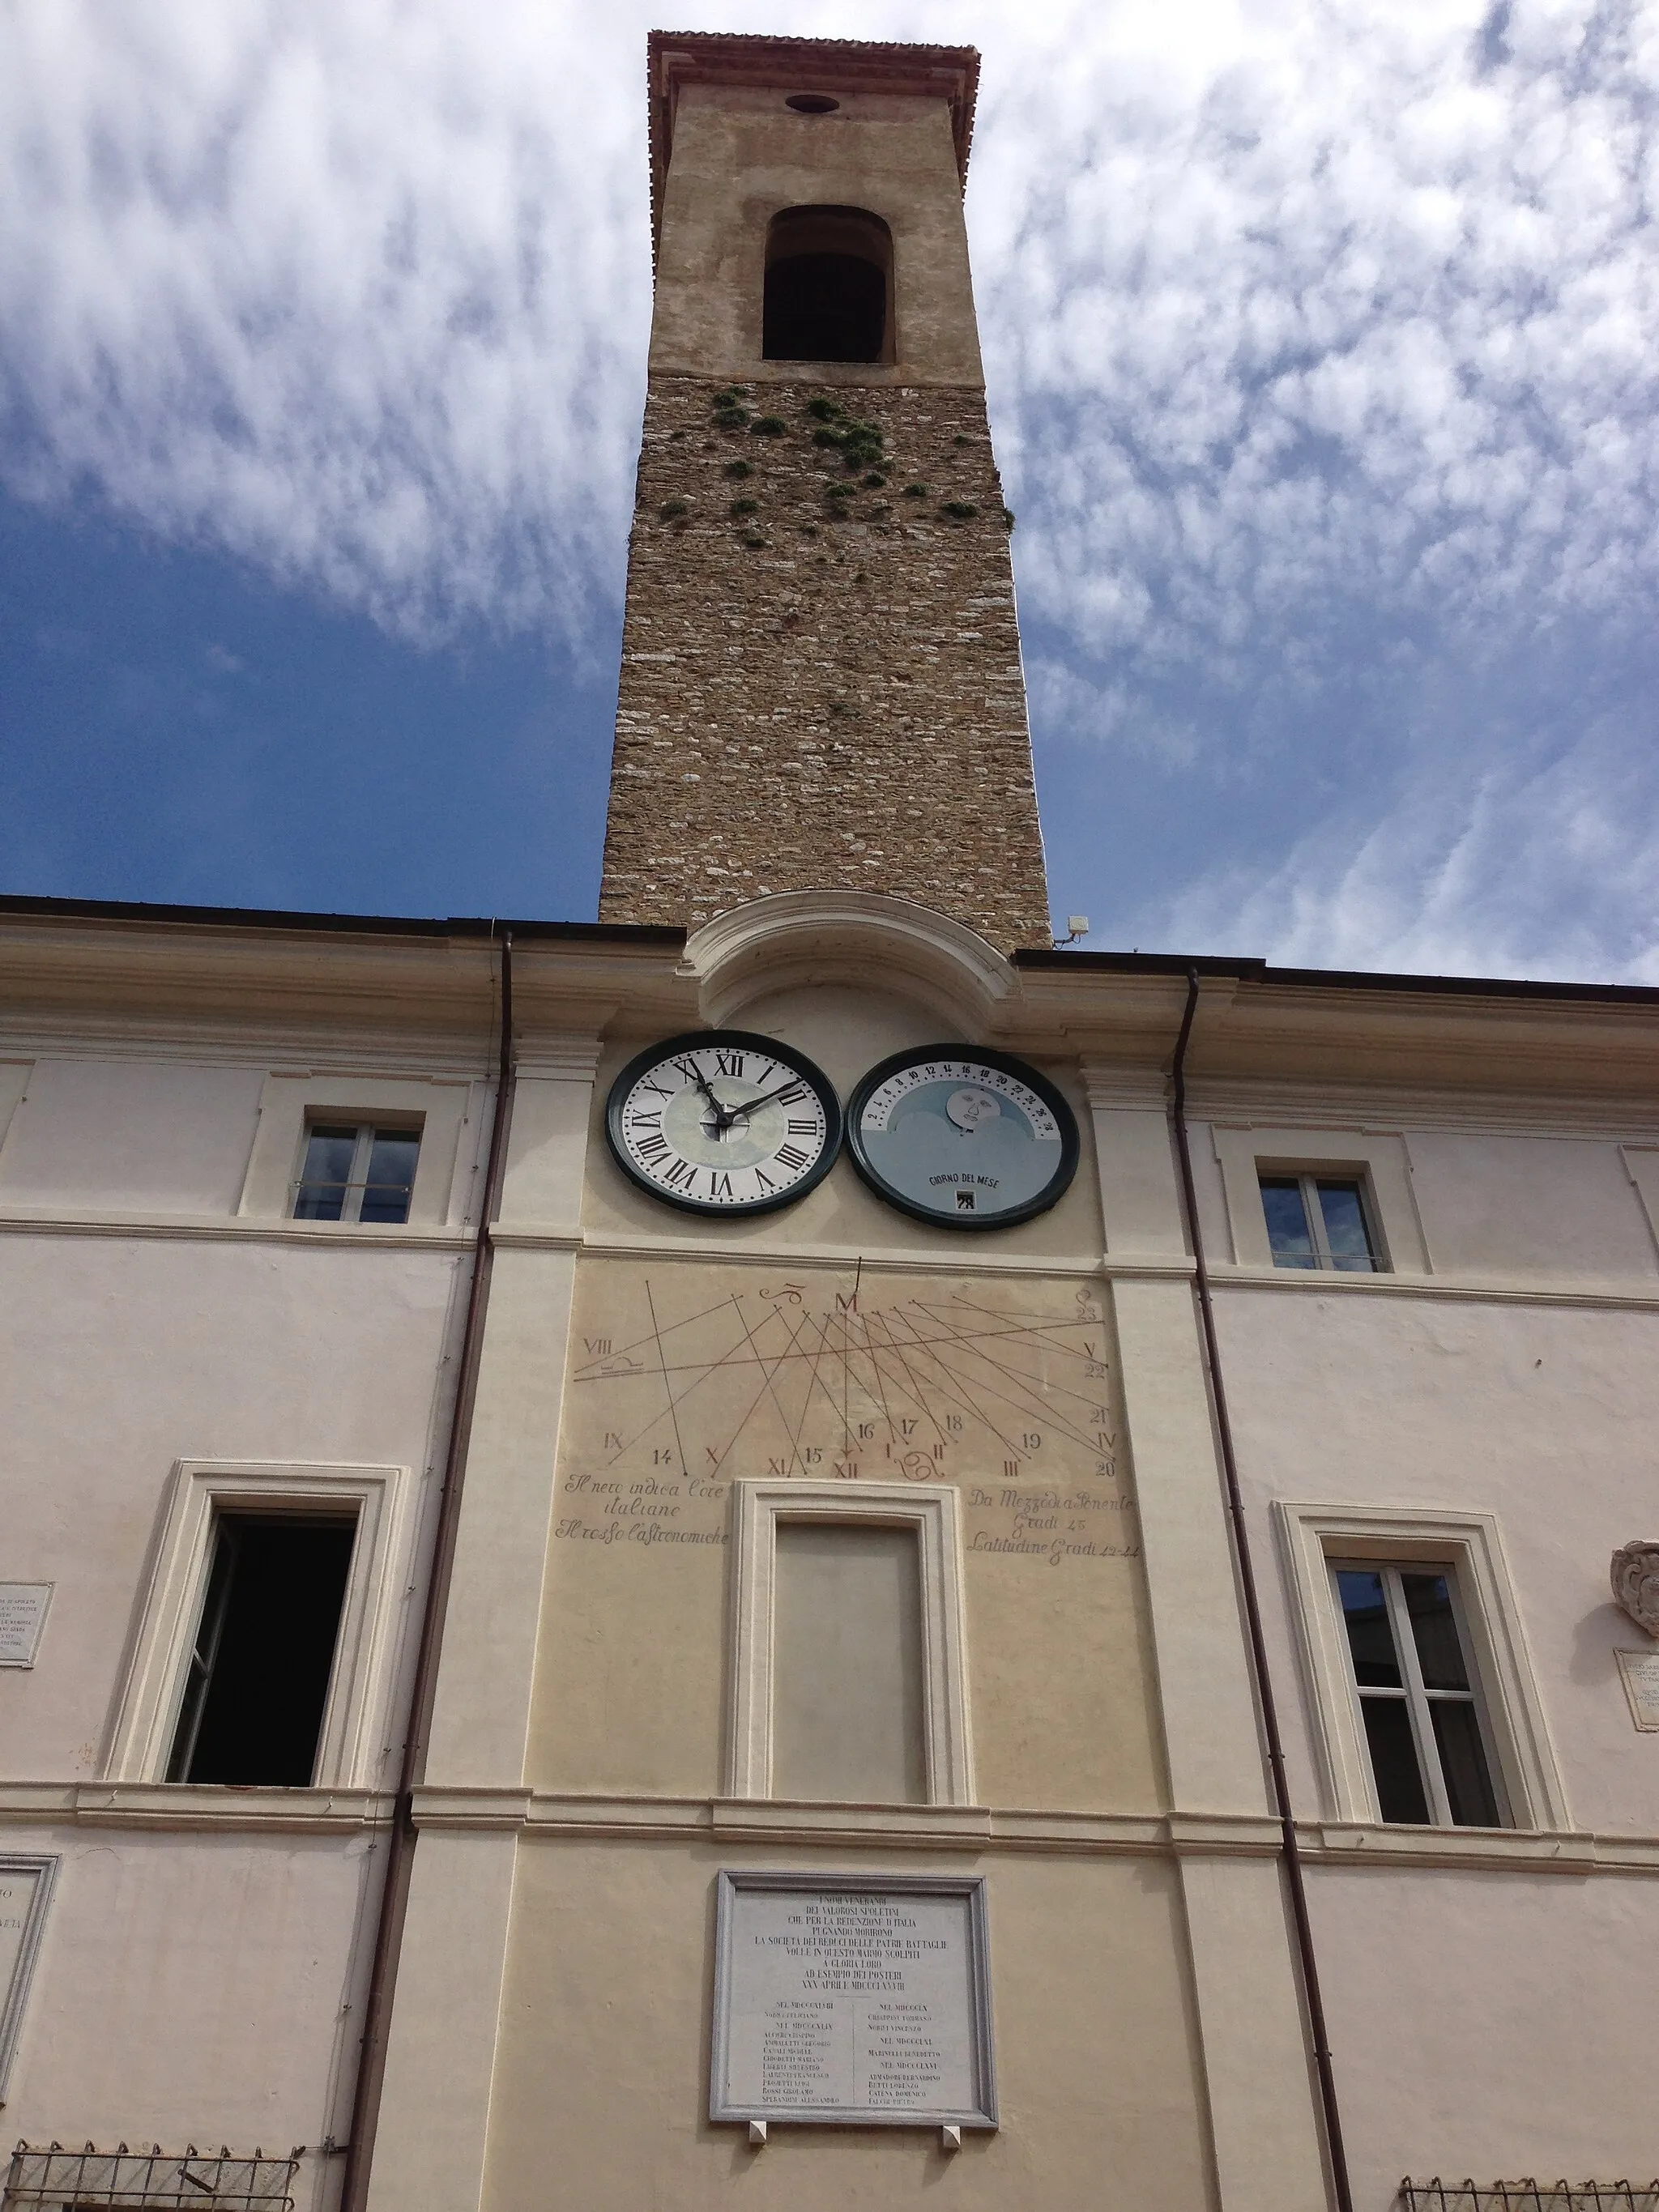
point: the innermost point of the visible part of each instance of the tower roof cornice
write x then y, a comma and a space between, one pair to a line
677, 59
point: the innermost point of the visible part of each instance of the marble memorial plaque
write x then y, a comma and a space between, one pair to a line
1641, 1672
25, 1890
842, 1999
23, 1616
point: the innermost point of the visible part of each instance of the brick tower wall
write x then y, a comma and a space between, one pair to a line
824, 692
821, 685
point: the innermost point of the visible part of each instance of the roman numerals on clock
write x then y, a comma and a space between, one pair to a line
724, 1123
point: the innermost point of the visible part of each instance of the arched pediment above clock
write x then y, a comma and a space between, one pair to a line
794, 939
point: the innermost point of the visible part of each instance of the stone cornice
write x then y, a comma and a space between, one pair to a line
192, 1807
187, 1809
1287, 1045
184, 985
1000, 1831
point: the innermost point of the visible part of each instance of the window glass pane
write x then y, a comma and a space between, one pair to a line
1400, 1794
1371, 1639
327, 1170
1434, 1630
846, 1712
1463, 1763
1345, 1227
391, 1175
1287, 1222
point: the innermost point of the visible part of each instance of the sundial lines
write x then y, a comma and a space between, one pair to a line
851, 1383
1036, 1397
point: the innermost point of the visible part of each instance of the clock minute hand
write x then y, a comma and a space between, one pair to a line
766, 1096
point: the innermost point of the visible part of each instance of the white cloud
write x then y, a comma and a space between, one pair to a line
1517, 874
358, 291
1294, 310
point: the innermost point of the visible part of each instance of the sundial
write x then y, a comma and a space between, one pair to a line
699, 1377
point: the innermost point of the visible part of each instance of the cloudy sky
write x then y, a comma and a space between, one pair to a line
1322, 341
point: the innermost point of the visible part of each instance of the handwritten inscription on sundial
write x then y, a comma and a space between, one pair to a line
684, 1381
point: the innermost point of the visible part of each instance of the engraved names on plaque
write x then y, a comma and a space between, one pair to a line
841, 1999
23, 1616
1640, 1670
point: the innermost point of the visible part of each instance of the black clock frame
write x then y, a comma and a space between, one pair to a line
1052, 1191
742, 1040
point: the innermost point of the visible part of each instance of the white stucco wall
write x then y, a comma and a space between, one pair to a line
125, 1355
193, 1990
163, 1136
1544, 1415
1485, 2021
200, 1974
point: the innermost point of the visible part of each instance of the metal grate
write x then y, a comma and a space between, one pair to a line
156, 2180
1528, 2195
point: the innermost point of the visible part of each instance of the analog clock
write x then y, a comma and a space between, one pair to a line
723, 1122
963, 1137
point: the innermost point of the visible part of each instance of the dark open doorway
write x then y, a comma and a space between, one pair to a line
252, 1712
829, 286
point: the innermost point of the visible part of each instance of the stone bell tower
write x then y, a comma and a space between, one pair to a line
821, 684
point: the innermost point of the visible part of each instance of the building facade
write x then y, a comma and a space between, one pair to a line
674, 1558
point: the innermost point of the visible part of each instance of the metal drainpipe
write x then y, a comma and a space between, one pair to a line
1337, 2158
394, 1893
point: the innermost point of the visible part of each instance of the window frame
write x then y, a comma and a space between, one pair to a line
933, 1511
1308, 1180
1525, 1773
1246, 1151
350, 1747
356, 1183
441, 1107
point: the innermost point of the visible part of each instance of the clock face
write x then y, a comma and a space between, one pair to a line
963, 1137
723, 1122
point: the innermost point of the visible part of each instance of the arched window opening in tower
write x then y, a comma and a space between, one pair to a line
829, 286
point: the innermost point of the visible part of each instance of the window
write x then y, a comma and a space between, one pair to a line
265, 1650
1388, 1237
829, 274
847, 1676
443, 1118
257, 1679
1424, 1700
1417, 1699
847, 1718
1319, 1221
356, 1172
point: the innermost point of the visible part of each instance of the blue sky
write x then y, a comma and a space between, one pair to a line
1321, 343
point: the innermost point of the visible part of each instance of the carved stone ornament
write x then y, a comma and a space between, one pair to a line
1636, 1583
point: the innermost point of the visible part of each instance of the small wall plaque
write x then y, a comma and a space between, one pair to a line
22, 1617
1641, 1672
853, 2000
25, 1891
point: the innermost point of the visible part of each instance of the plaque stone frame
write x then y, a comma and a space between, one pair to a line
23, 1610
19, 1942
736, 1991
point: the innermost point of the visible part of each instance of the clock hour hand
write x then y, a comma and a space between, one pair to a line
723, 1116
